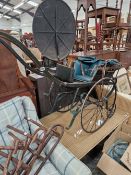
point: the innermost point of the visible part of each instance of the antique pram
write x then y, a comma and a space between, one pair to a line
54, 33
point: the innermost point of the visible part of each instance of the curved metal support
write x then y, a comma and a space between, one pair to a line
22, 47
39, 70
43, 71
18, 57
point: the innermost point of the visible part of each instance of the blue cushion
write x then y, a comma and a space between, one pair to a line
86, 68
11, 113
61, 162
48, 168
65, 162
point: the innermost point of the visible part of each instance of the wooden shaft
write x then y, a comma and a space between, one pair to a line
106, 3
86, 31
129, 14
116, 4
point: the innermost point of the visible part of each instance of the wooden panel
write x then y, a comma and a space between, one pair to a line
42, 86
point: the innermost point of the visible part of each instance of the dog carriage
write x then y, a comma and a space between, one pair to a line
88, 86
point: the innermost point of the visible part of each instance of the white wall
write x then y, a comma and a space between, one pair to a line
15, 25
5, 24
26, 20
73, 5
26, 23
9, 24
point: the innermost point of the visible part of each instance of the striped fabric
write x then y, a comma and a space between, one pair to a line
61, 162
11, 113
65, 161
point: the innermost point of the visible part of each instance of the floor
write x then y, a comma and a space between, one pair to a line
92, 158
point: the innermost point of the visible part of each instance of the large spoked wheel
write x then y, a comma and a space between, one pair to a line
70, 103
98, 105
64, 99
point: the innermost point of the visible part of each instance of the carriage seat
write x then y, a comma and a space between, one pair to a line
87, 68
61, 162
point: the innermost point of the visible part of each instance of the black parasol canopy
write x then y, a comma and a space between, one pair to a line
54, 29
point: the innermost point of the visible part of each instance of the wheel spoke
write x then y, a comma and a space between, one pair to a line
94, 116
92, 100
102, 117
91, 117
94, 123
90, 110
101, 96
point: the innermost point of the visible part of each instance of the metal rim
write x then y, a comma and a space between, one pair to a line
96, 111
57, 101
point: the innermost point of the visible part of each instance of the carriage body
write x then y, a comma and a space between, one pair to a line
55, 32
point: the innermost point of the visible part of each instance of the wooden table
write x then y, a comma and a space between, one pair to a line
103, 13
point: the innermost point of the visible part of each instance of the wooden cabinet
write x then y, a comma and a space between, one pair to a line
42, 86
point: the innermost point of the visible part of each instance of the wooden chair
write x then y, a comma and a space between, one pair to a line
86, 5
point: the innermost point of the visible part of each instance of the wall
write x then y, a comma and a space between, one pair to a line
5, 24
9, 24
26, 20
15, 25
26, 23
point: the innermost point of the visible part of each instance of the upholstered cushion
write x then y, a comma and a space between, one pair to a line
29, 108
65, 161
48, 168
30, 112
61, 162
11, 113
